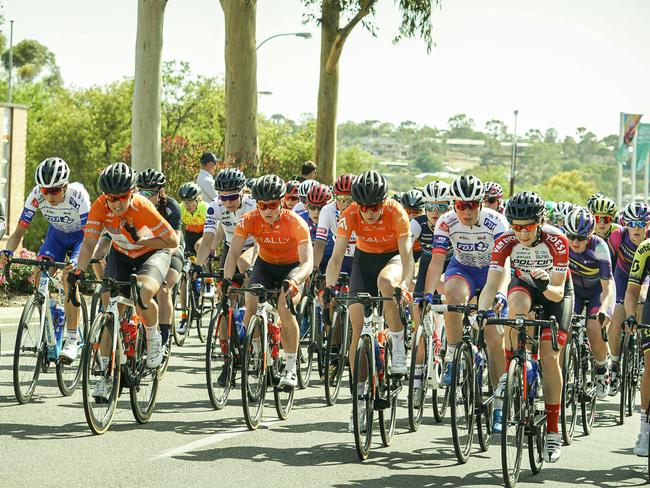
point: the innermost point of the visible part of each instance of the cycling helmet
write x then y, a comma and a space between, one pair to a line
493, 189
525, 205
635, 211
412, 200
551, 209
319, 195
117, 178
369, 188
343, 184
603, 206
467, 188
593, 198
267, 188
52, 172
579, 222
292, 188
562, 210
397, 196
151, 179
436, 191
189, 191
305, 186
249, 183
230, 179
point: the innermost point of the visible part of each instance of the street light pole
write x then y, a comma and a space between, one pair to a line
514, 157
304, 35
11, 57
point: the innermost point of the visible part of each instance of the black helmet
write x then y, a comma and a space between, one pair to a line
151, 179
412, 200
117, 178
230, 179
189, 191
268, 187
397, 196
208, 158
369, 188
249, 183
525, 205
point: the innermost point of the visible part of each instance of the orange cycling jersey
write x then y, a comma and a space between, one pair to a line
279, 242
141, 220
380, 237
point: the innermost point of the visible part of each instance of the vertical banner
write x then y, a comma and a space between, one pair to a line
643, 155
628, 128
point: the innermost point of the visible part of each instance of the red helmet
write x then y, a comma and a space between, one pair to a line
319, 195
343, 184
292, 188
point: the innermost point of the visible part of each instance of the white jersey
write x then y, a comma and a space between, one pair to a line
472, 246
67, 217
217, 214
205, 182
328, 221
299, 207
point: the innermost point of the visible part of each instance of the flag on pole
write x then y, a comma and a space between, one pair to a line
628, 129
643, 145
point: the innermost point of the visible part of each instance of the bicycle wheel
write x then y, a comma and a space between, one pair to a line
68, 375
335, 355
307, 329
253, 381
219, 362
418, 372
283, 397
182, 290
145, 381
633, 376
536, 443
101, 373
513, 427
569, 403
206, 312
96, 303
167, 354
624, 373
391, 387
484, 404
363, 397
29, 351
461, 400
588, 398
440, 395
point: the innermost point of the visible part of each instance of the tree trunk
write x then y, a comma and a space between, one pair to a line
145, 132
240, 145
328, 95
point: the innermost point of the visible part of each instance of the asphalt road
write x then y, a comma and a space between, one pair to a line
188, 443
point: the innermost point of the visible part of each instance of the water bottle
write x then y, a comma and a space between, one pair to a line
478, 365
532, 375
58, 320
198, 285
379, 359
238, 315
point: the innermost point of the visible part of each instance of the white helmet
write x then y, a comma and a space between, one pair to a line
52, 172
467, 188
564, 208
436, 191
304, 188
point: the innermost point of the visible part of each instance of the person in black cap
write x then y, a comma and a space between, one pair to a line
205, 178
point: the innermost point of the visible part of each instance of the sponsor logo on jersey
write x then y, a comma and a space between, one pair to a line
35, 202
468, 247
272, 240
210, 210
490, 224
74, 203
444, 227
343, 223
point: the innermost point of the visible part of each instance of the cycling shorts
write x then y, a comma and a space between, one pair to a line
562, 310
57, 245
176, 262
416, 256
620, 280
474, 277
366, 268
191, 238
271, 276
154, 264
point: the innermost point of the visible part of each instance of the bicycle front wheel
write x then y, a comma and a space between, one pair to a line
484, 404
182, 294
253, 381
219, 361
588, 400
624, 373
29, 351
68, 375
306, 346
206, 312
335, 355
145, 388
440, 394
363, 397
569, 404
419, 373
461, 400
513, 427
391, 387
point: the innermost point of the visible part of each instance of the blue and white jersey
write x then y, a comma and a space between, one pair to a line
68, 217
217, 214
472, 246
328, 221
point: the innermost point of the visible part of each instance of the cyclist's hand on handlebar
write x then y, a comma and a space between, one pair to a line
326, 294
426, 298
406, 293
74, 276
225, 286
197, 269
500, 303
481, 318
630, 322
291, 288
5, 255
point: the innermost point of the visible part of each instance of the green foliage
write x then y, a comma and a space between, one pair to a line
567, 186
354, 160
30, 59
284, 145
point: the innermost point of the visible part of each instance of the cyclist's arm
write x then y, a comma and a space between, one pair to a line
406, 254
103, 246
336, 261
495, 278
319, 250
236, 247
555, 290
204, 248
168, 241
632, 298
15, 238
218, 237
434, 272
306, 257
607, 294
86, 252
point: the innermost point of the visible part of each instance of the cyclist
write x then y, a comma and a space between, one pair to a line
413, 203
151, 184
65, 206
539, 257
141, 242
383, 259
593, 282
551, 212
639, 271
291, 198
193, 214
562, 210
493, 196
303, 190
470, 230
285, 253
605, 212
319, 195
623, 242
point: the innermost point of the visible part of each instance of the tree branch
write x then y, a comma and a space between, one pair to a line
342, 35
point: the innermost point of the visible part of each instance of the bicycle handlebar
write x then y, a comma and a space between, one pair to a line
520, 322
111, 284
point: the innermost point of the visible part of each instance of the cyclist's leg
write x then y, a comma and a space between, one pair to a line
641, 447
620, 280
597, 344
164, 295
459, 286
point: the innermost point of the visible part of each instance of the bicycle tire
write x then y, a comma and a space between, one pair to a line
363, 362
484, 410
461, 401
388, 420
569, 401
143, 399
181, 287
35, 351
95, 303
440, 393
536, 442
624, 372
69, 375
253, 365
633, 378
415, 414
513, 416
219, 357
333, 382
588, 403
306, 342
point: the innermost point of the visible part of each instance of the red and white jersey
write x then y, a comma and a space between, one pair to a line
550, 253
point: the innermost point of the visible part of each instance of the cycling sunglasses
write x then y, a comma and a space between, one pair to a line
344, 198
492, 199
272, 205
229, 198
524, 227
636, 224
118, 198
603, 219
292, 198
576, 237
460, 205
372, 208
413, 211
436, 207
149, 193
51, 191
314, 207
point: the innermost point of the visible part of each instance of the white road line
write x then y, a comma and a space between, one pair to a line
209, 440
15, 324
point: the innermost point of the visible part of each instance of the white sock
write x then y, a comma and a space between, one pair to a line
291, 361
72, 335
398, 341
417, 382
103, 363
151, 332
449, 354
257, 344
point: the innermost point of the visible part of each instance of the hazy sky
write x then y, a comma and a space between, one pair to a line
561, 63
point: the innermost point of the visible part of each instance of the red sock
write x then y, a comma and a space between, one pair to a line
509, 355
552, 415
